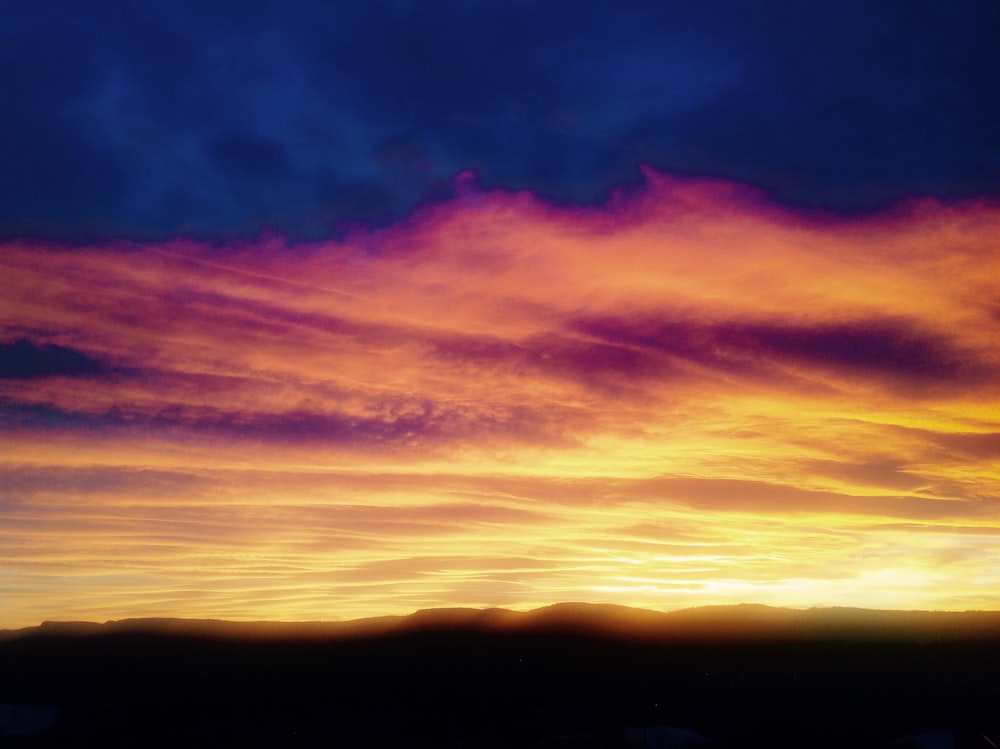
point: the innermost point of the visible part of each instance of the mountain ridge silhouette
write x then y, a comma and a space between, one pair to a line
736, 621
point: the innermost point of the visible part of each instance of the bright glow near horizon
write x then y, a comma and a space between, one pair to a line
687, 397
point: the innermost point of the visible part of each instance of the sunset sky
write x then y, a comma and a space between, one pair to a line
332, 310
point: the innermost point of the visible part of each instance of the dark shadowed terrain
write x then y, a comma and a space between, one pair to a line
566, 676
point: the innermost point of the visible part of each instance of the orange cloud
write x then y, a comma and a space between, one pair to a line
687, 396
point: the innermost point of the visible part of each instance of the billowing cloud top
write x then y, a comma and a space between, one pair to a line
685, 395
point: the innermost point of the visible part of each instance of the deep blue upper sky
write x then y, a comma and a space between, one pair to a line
144, 120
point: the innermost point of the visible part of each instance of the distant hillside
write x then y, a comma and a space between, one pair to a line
730, 623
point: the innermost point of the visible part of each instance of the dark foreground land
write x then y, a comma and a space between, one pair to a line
559, 678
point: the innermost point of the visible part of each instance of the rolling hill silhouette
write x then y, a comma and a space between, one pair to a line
733, 622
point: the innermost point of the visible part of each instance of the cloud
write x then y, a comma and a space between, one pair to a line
685, 395
886, 350
23, 359
241, 156
305, 118
879, 347
765, 496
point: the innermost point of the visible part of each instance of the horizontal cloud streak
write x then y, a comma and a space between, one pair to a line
24, 359
880, 349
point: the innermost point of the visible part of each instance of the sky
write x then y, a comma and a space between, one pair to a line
332, 310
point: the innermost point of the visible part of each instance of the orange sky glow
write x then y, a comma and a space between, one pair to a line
687, 396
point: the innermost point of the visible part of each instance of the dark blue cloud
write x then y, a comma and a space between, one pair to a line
434, 427
24, 360
244, 157
146, 120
